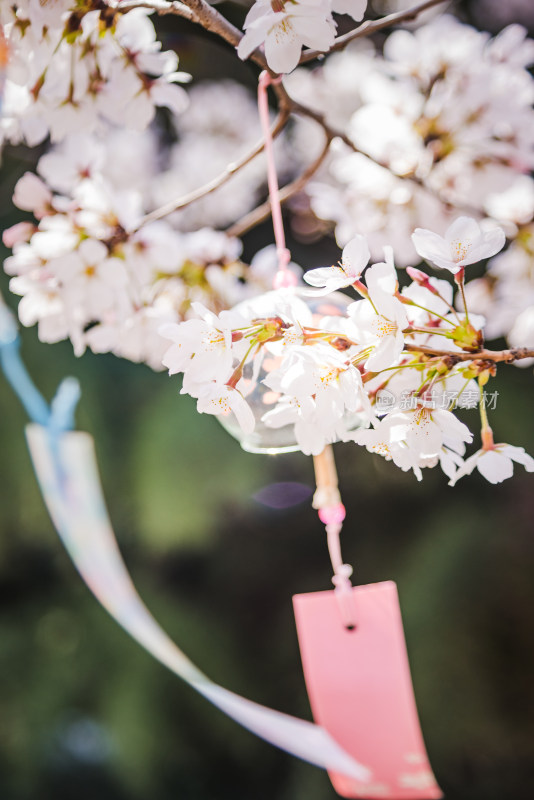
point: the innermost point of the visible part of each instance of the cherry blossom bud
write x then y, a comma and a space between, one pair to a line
20, 232
421, 278
32, 194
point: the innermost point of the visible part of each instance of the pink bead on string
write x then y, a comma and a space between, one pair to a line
332, 515
284, 278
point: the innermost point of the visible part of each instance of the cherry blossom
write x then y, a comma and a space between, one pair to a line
72, 65
202, 348
222, 399
301, 413
521, 333
384, 442
495, 464
335, 384
354, 259
312, 430
91, 279
425, 430
464, 242
32, 194
380, 319
284, 26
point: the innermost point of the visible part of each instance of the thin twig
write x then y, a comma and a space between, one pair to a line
203, 14
303, 111
212, 20
495, 356
261, 213
211, 186
372, 26
161, 7
197, 11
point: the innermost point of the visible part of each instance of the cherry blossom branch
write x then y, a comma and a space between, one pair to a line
369, 27
203, 14
212, 20
161, 7
495, 356
211, 186
261, 213
198, 11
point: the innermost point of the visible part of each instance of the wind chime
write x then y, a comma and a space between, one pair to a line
366, 731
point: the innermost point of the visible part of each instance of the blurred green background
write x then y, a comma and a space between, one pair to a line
85, 712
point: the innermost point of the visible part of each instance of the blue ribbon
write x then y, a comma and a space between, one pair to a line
59, 416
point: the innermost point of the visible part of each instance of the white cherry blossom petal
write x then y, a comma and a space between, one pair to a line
464, 242
495, 466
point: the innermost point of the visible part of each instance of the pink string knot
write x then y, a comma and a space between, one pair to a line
266, 79
284, 257
342, 576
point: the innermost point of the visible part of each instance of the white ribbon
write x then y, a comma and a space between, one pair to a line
67, 472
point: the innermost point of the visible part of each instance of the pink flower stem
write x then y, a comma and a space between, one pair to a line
283, 277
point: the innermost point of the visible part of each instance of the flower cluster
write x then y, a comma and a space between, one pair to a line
283, 27
74, 63
429, 131
86, 273
433, 126
437, 127
92, 271
324, 370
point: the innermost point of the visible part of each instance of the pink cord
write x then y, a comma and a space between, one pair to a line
332, 517
283, 277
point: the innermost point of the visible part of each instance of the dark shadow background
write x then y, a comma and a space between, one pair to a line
86, 713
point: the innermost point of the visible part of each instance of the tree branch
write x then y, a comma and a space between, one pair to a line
212, 20
262, 212
495, 356
371, 26
203, 14
161, 7
211, 186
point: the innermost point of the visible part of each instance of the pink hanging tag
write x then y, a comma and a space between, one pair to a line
361, 691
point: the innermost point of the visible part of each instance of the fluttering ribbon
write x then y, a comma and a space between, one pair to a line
67, 472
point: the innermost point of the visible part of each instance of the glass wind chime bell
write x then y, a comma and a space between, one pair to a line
261, 398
